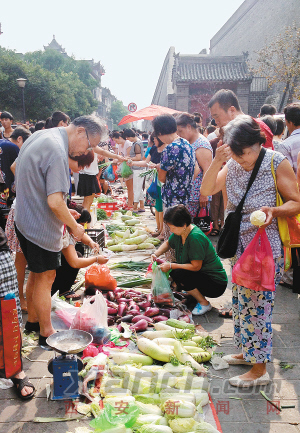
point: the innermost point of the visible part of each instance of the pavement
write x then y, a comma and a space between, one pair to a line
238, 410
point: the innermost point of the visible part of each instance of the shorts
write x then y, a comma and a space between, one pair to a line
38, 259
190, 280
87, 185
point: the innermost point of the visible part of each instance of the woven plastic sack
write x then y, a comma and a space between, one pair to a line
99, 276
255, 269
124, 170
160, 288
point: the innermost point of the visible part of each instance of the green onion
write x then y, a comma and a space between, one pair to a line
131, 266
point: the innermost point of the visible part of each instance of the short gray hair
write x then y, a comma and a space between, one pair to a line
93, 125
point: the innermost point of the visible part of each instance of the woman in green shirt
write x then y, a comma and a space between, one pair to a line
198, 269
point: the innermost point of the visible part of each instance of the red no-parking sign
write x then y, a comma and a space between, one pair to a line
132, 107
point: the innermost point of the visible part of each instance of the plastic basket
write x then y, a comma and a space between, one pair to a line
108, 206
98, 236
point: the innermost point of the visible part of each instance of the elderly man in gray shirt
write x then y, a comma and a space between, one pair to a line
42, 184
290, 147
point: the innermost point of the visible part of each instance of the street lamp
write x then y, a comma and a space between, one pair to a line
21, 83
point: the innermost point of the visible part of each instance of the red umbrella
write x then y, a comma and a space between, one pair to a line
147, 113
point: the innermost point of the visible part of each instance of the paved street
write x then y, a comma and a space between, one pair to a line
238, 410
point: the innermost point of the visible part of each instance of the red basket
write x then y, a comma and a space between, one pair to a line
108, 206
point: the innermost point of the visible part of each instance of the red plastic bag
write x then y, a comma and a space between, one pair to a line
99, 276
255, 269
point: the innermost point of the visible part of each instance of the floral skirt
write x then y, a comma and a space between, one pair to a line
252, 318
12, 240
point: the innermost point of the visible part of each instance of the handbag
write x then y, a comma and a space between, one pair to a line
289, 227
10, 339
203, 220
229, 235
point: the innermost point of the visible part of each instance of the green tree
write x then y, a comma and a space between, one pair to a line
117, 112
67, 86
279, 62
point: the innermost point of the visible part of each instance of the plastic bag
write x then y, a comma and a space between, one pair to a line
218, 363
255, 269
153, 188
109, 174
99, 276
92, 314
160, 288
123, 413
125, 170
65, 311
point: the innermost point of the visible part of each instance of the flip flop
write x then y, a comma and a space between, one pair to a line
214, 232
19, 384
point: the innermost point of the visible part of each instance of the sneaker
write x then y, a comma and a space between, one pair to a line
201, 309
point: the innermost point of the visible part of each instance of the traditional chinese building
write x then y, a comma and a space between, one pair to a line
188, 81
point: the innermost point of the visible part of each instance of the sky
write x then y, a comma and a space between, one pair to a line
131, 38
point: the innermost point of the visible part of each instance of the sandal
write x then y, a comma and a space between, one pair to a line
20, 384
214, 232
71, 295
226, 314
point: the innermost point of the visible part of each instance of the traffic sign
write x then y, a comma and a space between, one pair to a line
132, 107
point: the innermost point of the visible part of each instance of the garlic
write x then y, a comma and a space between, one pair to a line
258, 218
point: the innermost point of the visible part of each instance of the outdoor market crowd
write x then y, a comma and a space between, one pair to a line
234, 165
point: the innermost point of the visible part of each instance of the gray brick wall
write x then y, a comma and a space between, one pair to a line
254, 24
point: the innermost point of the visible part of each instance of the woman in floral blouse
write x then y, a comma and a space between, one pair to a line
177, 165
187, 127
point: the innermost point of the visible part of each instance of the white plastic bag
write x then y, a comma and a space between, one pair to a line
92, 314
219, 363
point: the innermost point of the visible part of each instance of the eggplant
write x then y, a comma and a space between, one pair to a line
151, 311
140, 317
140, 326
127, 318
164, 312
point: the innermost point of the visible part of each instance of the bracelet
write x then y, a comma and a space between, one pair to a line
170, 265
97, 259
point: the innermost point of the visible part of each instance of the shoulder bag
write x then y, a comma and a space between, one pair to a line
229, 236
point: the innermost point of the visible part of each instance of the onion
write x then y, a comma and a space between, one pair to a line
184, 318
141, 325
160, 318
145, 304
140, 317
151, 311
112, 311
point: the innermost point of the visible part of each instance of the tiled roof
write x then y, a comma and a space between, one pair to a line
211, 71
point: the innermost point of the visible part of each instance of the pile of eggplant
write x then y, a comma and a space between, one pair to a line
137, 308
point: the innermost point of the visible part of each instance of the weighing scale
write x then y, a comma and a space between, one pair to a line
65, 367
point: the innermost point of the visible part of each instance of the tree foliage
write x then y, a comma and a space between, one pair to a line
117, 112
54, 82
279, 62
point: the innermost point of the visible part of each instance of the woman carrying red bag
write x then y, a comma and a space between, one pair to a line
252, 310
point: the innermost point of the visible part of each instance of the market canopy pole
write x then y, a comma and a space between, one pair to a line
147, 113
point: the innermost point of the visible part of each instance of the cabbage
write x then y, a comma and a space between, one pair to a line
112, 400
122, 370
152, 428
258, 218
175, 394
148, 398
188, 383
137, 385
183, 409
205, 427
152, 368
147, 419
178, 370
148, 408
83, 409
182, 425
201, 397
